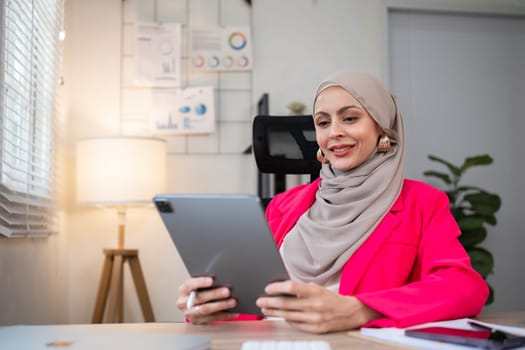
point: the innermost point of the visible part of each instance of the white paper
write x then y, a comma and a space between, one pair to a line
158, 56
220, 48
183, 111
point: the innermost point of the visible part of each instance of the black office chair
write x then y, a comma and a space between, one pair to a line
283, 145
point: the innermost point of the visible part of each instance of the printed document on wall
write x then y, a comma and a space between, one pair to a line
183, 111
220, 48
158, 54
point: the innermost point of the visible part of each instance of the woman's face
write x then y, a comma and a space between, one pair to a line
345, 131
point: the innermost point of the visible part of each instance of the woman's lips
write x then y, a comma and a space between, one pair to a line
341, 150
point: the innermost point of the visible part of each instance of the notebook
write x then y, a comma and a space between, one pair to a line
94, 337
226, 237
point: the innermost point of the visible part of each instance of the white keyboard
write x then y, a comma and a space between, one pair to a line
285, 345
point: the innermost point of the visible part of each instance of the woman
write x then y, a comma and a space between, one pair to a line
363, 245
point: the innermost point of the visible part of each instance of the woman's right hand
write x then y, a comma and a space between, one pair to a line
209, 304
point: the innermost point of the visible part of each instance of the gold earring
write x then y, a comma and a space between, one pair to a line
321, 157
384, 144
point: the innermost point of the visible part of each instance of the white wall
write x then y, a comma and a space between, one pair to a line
33, 280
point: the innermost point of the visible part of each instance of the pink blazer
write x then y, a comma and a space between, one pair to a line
412, 269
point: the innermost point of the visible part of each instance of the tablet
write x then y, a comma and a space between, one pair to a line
226, 237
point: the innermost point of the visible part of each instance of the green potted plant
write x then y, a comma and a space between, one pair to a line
296, 108
473, 208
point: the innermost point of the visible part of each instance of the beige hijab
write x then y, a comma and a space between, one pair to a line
348, 205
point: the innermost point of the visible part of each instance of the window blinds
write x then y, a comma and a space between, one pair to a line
30, 57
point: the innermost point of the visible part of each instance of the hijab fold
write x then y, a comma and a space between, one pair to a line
349, 205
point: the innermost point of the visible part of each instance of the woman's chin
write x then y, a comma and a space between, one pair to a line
342, 166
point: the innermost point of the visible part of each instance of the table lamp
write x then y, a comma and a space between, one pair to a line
120, 172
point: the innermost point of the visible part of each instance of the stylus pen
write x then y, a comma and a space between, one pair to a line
191, 299
492, 329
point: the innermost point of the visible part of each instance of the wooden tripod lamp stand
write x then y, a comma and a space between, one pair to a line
120, 172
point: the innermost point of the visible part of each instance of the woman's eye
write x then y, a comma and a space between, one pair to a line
322, 123
350, 119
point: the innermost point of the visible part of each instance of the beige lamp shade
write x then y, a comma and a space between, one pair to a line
120, 171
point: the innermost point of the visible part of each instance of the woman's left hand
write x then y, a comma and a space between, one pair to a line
312, 308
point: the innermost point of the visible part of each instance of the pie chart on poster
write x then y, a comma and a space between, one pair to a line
243, 61
198, 61
184, 109
237, 40
213, 61
200, 109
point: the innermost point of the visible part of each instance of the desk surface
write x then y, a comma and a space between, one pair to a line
230, 335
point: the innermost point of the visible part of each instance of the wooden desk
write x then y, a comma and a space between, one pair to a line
516, 319
230, 335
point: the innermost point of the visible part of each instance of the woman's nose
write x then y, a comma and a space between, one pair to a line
335, 129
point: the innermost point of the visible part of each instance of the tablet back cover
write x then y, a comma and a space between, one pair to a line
227, 237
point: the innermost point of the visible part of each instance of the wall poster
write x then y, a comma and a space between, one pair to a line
220, 48
183, 111
158, 54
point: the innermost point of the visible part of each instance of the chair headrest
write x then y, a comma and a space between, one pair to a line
285, 145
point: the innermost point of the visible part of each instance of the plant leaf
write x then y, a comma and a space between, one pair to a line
491, 220
470, 223
442, 176
466, 188
458, 214
482, 260
490, 299
483, 159
454, 170
483, 203
469, 238
451, 197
